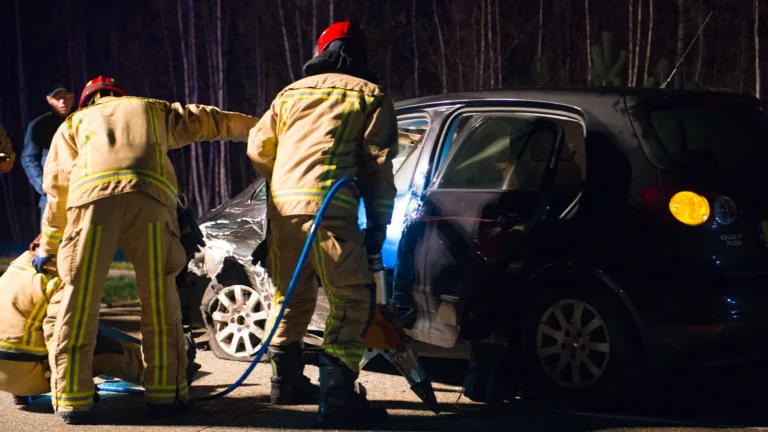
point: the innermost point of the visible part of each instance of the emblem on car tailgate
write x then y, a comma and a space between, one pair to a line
725, 210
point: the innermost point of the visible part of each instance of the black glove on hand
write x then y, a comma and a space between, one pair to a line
374, 238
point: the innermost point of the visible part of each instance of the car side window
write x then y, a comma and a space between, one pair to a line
410, 135
497, 152
259, 195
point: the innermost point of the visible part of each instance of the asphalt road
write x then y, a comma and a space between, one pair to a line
723, 399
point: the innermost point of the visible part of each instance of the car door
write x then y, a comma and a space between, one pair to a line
492, 190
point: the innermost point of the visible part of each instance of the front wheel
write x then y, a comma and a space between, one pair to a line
237, 317
578, 346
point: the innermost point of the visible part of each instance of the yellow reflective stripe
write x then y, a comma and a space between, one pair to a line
87, 162
313, 195
158, 151
320, 265
345, 352
333, 93
53, 234
22, 349
90, 260
73, 399
385, 206
110, 176
157, 303
329, 169
283, 121
78, 395
34, 321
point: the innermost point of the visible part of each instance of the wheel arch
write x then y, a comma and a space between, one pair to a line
539, 278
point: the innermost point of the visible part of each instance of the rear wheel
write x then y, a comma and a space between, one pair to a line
578, 346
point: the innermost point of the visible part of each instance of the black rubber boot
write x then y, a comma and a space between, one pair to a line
342, 402
21, 400
73, 417
289, 385
191, 350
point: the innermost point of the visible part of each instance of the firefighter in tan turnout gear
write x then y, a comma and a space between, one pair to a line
111, 185
7, 156
29, 302
337, 122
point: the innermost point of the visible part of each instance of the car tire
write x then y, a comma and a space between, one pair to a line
589, 363
235, 316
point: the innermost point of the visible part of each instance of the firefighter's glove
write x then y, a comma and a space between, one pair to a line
374, 238
40, 260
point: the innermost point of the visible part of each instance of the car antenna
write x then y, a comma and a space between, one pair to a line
687, 49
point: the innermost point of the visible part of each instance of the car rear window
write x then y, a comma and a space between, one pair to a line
732, 133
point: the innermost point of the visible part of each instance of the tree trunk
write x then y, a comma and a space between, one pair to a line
184, 59
757, 49
415, 49
455, 14
630, 37
475, 52
224, 179
330, 12
498, 47
701, 52
285, 40
588, 43
169, 53
23, 114
648, 44
314, 23
637, 41
680, 36
538, 49
299, 49
200, 193
443, 70
491, 48
388, 59
482, 45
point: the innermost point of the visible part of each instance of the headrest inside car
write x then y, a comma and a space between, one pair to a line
541, 144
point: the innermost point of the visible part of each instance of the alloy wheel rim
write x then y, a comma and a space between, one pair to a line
572, 344
239, 316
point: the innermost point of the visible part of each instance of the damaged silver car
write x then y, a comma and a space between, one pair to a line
230, 278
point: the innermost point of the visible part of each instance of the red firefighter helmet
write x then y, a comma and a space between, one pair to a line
342, 30
100, 83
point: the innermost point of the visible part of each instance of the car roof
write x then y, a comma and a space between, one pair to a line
550, 94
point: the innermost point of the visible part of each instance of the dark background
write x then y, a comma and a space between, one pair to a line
239, 54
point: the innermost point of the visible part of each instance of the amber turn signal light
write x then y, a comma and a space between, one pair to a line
689, 208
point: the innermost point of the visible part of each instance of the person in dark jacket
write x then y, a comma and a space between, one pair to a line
39, 135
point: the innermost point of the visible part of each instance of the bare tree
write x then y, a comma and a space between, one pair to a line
443, 70
224, 179
330, 12
700, 58
285, 40
648, 44
481, 80
498, 45
630, 37
588, 43
184, 59
757, 48
637, 42
541, 31
314, 21
491, 47
299, 49
415, 49
680, 36
20, 66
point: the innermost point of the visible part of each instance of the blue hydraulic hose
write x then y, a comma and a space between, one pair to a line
286, 301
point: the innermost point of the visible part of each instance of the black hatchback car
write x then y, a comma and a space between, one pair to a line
594, 233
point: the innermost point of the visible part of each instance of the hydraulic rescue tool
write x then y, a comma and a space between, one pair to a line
385, 336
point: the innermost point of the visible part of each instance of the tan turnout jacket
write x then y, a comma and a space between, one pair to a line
120, 145
323, 128
7, 149
24, 297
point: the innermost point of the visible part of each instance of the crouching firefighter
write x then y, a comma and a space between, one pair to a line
336, 122
111, 185
29, 303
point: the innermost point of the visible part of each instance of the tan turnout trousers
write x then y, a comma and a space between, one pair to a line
338, 258
148, 233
